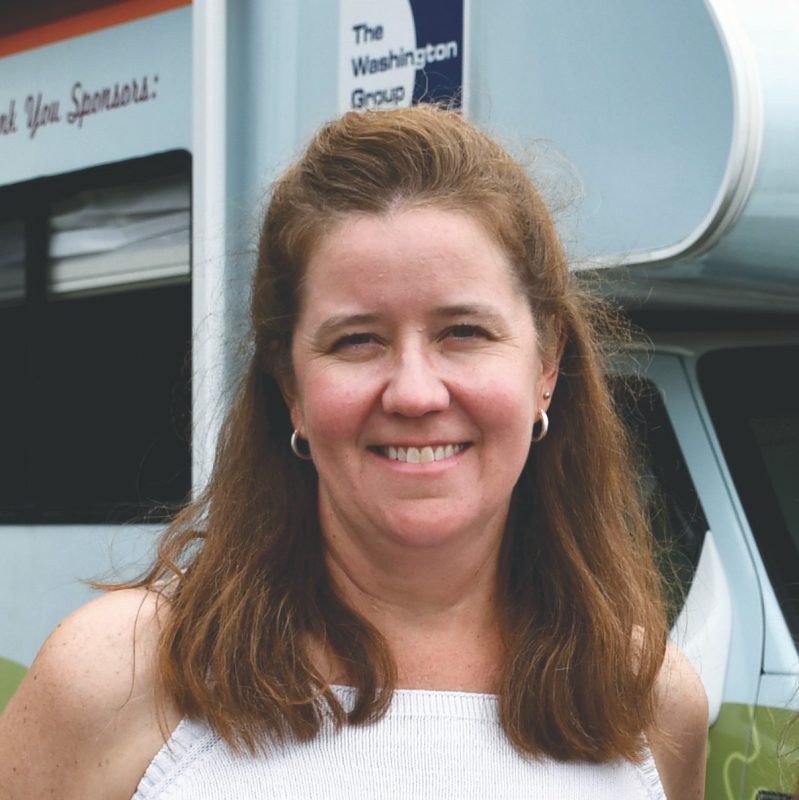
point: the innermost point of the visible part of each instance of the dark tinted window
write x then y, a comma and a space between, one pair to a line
753, 398
94, 343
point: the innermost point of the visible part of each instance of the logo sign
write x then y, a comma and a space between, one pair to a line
400, 52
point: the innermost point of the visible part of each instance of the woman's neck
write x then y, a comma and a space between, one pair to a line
436, 608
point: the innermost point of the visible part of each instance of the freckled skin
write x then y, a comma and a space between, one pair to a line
83, 725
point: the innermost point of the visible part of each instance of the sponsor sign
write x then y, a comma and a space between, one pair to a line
400, 52
106, 96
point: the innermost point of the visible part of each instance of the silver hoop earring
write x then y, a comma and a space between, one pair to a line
295, 446
537, 437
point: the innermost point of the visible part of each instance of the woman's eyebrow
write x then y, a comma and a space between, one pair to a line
486, 313
338, 322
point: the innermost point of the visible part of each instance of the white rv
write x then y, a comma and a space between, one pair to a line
137, 140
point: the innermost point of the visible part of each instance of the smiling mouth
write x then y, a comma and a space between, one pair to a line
420, 455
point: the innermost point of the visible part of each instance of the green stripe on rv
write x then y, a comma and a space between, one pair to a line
752, 749
11, 675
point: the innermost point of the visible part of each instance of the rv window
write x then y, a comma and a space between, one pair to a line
12, 261
753, 398
94, 355
675, 513
114, 238
12, 354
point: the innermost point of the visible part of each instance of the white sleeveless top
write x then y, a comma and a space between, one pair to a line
429, 745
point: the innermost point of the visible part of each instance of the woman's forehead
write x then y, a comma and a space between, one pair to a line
429, 245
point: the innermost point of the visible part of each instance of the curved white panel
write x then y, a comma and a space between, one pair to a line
747, 135
765, 239
638, 96
703, 629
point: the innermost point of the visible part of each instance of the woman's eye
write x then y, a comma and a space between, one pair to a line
466, 332
353, 340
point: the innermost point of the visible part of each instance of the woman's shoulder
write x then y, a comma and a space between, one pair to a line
85, 721
113, 640
679, 739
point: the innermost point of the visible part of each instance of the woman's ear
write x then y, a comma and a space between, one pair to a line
289, 392
551, 353
549, 377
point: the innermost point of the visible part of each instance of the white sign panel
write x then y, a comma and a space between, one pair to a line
107, 96
400, 52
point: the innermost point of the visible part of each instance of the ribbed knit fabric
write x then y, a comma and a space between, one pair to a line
429, 745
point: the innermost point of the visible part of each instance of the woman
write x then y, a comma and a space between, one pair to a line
420, 567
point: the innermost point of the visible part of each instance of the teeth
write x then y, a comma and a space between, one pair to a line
425, 455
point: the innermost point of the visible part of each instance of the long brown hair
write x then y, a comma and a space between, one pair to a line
584, 623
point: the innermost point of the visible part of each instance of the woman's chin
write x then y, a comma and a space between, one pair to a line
426, 531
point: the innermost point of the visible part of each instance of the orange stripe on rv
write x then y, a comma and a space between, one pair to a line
87, 22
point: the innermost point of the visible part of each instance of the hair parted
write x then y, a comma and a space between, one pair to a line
581, 598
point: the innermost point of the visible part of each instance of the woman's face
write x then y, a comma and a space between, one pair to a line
417, 378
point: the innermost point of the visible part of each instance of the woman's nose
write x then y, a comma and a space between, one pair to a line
414, 387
